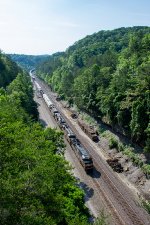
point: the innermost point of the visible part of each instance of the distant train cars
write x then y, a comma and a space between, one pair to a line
32, 75
81, 153
39, 90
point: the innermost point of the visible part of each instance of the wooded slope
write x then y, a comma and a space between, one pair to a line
36, 183
27, 62
107, 74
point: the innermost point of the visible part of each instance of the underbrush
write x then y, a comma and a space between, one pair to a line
129, 151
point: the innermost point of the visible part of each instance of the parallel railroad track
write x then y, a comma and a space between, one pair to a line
124, 213
126, 207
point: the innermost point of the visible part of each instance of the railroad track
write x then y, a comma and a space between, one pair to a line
118, 219
126, 207
126, 213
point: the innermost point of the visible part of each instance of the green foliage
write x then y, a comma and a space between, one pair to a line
146, 205
21, 91
27, 62
147, 147
121, 147
36, 184
8, 70
135, 159
107, 75
146, 170
50, 64
113, 143
101, 220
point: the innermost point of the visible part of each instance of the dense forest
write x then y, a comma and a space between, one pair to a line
36, 183
27, 62
107, 74
8, 70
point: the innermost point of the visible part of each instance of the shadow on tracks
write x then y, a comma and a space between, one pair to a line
89, 192
95, 173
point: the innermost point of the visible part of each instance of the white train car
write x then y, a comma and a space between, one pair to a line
38, 87
48, 101
39, 90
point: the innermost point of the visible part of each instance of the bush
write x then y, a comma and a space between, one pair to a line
121, 147
113, 143
146, 170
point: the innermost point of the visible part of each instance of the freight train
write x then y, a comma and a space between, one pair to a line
80, 151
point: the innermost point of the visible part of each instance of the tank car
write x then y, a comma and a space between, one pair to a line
38, 87
47, 101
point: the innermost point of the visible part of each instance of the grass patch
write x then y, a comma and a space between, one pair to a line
113, 143
146, 205
146, 170
121, 147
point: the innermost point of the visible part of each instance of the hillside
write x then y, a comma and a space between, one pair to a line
27, 62
8, 70
107, 74
36, 183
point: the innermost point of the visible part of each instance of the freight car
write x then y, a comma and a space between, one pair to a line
48, 101
89, 130
38, 88
54, 111
70, 136
61, 122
